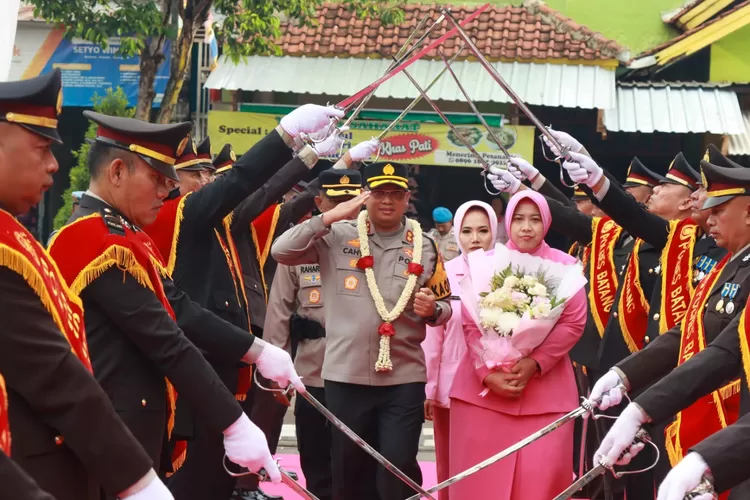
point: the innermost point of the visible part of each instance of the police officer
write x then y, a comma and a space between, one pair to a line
130, 318
65, 433
718, 299
374, 368
444, 233
296, 315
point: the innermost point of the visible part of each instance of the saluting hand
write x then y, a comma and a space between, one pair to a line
425, 303
346, 210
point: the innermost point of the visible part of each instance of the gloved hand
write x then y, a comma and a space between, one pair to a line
617, 446
364, 150
246, 445
309, 118
563, 138
331, 145
583, 169
276, 364
503, 180
154, 490
607, 389
522, 169
684, 478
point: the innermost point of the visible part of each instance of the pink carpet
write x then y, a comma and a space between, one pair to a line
291, 463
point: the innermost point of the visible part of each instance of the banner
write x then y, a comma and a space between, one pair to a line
86, 68
409, 142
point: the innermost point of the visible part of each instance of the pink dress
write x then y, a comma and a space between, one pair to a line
444, 348
483, 426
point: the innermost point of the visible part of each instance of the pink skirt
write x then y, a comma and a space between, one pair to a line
538, 472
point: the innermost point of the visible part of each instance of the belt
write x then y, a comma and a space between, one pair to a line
305, 329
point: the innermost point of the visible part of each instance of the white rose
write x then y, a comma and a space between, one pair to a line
529, 281
490, 317
538, 290
511, 282
499, 298
541, 310
507, 322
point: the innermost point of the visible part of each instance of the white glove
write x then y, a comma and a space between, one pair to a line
503, 180
607, 389
276, 364
563, 138
617, 446
246, 445
583, 169
309, 118
684, 478
521, 169
364, 150
331, 145
154, 490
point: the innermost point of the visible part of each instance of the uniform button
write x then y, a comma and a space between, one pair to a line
615, 314
59, 440
650, 271
646, 339
226, 304
656, 317
143, 402
256, 286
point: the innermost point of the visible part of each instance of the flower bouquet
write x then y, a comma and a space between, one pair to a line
516, 300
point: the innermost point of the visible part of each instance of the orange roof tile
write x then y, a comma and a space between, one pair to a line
531, 32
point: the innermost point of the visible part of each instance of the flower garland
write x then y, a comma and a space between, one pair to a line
386, 330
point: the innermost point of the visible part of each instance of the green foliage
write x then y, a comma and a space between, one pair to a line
114, 103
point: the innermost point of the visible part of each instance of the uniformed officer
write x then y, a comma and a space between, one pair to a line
65, 432
443, 233
374, 368
256, 222
132, 306
195, 227
296, 314
194, 168
717, 301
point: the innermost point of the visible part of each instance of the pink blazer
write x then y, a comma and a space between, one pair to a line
444, 346
552, 391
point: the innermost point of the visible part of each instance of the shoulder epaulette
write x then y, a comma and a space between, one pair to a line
114, 222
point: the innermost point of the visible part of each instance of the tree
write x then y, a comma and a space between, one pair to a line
249, 27
114, 103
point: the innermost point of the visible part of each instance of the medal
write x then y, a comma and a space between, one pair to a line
730, 308
720, 305
732, 293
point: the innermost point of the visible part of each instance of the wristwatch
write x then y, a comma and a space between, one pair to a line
436, 314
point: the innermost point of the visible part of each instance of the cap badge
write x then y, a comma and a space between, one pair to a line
389, 170
59, 105
704, 180
707, 156
232, 155
671, 165
210, 150
182, 145
630, 167
344, 180
195, 150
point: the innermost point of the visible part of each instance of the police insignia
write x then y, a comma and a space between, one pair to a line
314, 296
410, 236
354, 242
183, 144
351, 282
353, 263
389, 170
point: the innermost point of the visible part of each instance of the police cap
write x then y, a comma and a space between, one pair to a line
579, 195
225, 159
379, 174
205, 153
33, 104
639, 175
680, 172
156, 144
724, 183
340, 182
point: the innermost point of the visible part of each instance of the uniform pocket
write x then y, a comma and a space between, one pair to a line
350, 280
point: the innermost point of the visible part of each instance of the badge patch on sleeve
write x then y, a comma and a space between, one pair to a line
438, 282
314, 296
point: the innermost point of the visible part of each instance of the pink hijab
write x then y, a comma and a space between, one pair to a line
543, 250
458, 220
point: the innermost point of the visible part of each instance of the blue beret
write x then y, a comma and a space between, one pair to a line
77, 194
441, 215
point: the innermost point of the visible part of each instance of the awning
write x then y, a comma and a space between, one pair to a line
569, 86
675, 107
740, 144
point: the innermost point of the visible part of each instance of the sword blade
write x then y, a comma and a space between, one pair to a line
349, 101
581, 410
366, 447
474, 108
582, 481
414, 102
295, 486
499, 79
442, 116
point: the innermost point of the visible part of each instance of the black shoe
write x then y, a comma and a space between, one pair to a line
260, 495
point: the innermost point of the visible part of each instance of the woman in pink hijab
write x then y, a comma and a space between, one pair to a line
444, 346
536, 391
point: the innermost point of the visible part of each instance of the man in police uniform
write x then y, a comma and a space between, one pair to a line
728, 191
132, 307
374, 367
65, 433
296, 314
444, 233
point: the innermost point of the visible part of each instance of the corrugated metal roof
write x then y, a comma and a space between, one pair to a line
740, 144
675, 107
570, 86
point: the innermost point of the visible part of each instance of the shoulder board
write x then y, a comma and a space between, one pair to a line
431, 238
113, 222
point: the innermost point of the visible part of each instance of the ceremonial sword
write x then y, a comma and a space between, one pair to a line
705, 487
357, 440
508, 89
285, 478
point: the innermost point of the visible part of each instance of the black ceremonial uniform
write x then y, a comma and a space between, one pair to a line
65, 433
16, 484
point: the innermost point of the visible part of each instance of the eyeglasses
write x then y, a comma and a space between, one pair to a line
397, 195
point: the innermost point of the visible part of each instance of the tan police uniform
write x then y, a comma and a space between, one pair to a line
447, 243
387, 405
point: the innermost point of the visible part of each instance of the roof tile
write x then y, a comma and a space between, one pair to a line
533, 31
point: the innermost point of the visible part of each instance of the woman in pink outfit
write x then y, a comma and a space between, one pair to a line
444, 346
536, 391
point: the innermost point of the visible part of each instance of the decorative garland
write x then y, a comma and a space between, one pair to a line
386, 330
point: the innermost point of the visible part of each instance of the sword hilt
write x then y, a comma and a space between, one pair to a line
703, 488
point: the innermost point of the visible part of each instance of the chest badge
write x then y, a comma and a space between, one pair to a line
351, 282
315, 278
314, 296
